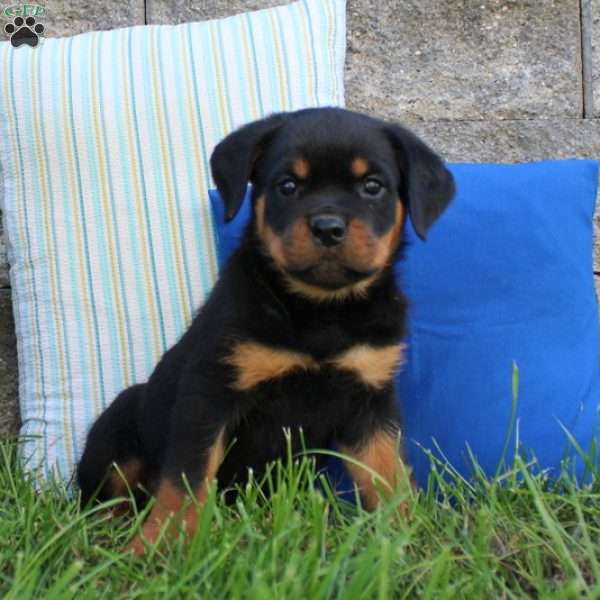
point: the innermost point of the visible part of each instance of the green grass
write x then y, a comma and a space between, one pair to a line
515, 537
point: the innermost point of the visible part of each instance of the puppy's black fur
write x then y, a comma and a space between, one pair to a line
302, 328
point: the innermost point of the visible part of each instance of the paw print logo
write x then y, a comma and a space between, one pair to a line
24, 31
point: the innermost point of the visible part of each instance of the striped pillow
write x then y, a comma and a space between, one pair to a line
104, 142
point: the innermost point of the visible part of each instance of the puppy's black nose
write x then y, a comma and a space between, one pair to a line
328, 229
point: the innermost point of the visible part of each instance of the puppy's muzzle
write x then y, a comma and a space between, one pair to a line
327, 229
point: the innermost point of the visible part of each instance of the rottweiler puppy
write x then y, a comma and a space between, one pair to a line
302, 330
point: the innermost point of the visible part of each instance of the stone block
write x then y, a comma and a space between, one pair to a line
9, 408
458, 59
64, 18
464, 59
162, 12
3, 257
597, 237
593, 13
510, 140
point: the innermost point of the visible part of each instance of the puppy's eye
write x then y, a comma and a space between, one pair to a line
287, 187
372, 186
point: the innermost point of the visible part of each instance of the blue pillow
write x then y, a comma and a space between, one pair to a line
505, 277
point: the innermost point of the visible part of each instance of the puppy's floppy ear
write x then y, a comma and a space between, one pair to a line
427, 185
233, 160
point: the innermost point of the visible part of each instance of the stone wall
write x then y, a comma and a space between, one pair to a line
480, 80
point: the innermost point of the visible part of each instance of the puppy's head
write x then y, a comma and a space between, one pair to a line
331, 189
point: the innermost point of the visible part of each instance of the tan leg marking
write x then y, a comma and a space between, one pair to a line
124, 477
255, 363
359, 167
171, 499
374, 366
380, 454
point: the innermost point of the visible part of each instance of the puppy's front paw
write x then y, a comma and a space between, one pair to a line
137, 546
147, 537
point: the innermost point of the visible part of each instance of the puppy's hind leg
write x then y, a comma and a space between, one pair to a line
113, 459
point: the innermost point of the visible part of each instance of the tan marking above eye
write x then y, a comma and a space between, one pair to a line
301, 168
256, 363
374, 366
216, 454
359, 167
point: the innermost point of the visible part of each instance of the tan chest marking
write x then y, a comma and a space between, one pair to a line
374, 366
256, 363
